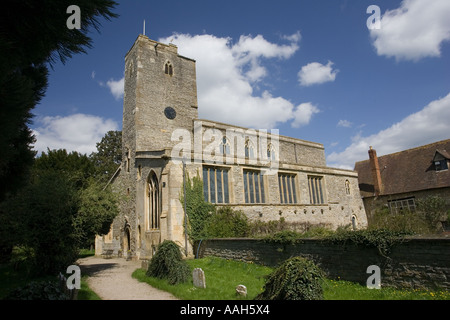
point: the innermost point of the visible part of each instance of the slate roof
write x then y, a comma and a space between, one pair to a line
406, 171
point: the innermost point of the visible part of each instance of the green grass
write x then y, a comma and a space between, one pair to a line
85, 293
345, 290
222, 277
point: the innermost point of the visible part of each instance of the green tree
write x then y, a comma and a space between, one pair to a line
74, 166
108, 156
33, 37
40, 217
59, 211
19, 93
97, 210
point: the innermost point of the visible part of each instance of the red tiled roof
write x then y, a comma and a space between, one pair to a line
406, 171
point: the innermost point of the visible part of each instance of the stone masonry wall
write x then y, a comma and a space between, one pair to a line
413, 263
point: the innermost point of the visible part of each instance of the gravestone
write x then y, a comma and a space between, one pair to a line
241, 290
198, 277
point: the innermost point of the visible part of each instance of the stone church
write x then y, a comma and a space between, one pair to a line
266, 175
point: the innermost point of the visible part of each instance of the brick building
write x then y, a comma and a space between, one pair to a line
262, 173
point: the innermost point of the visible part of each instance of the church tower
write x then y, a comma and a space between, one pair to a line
160, 96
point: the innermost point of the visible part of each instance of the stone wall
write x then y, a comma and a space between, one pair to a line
413, 263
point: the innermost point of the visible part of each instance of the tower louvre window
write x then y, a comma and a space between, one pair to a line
168, 69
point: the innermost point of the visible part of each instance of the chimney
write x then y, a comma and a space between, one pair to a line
376, 175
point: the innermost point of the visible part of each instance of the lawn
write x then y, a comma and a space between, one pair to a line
219, 284
222, 277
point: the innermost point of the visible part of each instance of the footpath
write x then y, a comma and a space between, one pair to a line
111, 279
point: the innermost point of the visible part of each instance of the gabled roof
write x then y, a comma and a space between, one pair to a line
406, 171
444, 154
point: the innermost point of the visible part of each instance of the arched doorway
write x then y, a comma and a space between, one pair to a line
127, 242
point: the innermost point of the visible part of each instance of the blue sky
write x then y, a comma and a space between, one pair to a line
312, 69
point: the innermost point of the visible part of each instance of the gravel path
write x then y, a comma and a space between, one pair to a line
111, 280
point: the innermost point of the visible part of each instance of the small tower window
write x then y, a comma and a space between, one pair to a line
168, 69
347, 187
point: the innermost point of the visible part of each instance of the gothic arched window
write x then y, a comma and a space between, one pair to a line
152, 202
249, 150
225, 146
271, 155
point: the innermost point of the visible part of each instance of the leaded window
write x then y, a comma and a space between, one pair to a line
286, 185
215, 185
316, 195
254, 191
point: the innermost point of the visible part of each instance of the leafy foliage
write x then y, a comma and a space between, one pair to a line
108, 156
284, 237
227, 223
295, 279
40, 217
59, 211
74, 166
205, 220
97, 210
38, 290
381, 239
197, 209
434, 211
20, 91
409, 222
24, 70
167, 263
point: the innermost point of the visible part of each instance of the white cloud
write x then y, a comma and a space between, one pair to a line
316, 73
116, 87
78, 132
344, 123
226, 73
303, 114
425, 126
414, 30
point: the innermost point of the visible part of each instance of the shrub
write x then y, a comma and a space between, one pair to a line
284, 237
38, 290
382, 239
409, 222
434, 210
227, 223
167, 263
295, 279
